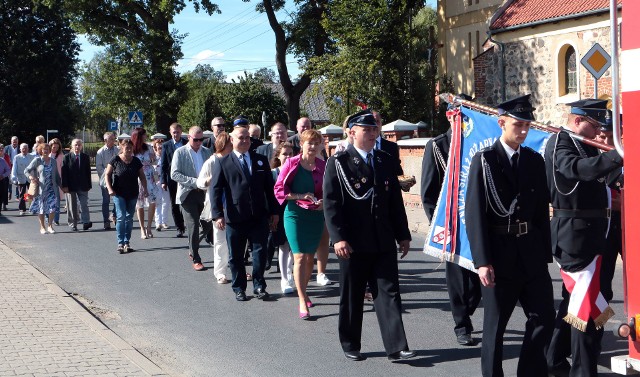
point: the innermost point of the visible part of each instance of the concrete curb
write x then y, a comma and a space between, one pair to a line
85, 315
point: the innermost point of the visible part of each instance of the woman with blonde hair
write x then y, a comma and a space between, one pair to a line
163, 199
300, 186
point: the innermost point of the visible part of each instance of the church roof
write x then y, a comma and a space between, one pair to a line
522, 13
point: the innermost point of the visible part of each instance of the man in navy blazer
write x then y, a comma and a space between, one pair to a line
168, 149
243, 180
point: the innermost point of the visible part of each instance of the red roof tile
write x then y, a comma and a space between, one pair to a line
520, 12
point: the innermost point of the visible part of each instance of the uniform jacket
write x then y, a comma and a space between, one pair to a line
183, 170
433, 171
510, 255
393, 150
73, 177
375, 223
168, 149
575, 241
246, 199
288, 171
36, 169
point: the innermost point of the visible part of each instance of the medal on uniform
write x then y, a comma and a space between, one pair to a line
357, 185
356, 160
259, 163
364, 179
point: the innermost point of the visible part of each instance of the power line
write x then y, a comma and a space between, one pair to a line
227, 39
202, 35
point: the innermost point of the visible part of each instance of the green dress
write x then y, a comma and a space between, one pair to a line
303, 227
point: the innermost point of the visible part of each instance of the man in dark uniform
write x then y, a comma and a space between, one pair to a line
576, 175
365, 217
463, 285
507, 218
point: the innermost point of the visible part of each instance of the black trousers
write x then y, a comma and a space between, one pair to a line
4, 186
237, 236
463, 287
178, 219
22, 189
610, 255
192, 207
380, 270
535, 294
583, 347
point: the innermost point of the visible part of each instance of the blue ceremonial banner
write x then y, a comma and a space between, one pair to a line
478, 131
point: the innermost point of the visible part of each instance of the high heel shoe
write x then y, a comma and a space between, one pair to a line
309, 304
143, 234
304, 315
149, 233
50, 230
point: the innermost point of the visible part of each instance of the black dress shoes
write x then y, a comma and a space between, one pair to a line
261, 294
402, 355
180, 233
86, 226
465, 340
561, 370
354, 356
241, 296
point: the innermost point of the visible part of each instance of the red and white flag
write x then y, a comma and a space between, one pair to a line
586, 300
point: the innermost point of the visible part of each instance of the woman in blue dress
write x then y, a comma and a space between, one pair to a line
43, 171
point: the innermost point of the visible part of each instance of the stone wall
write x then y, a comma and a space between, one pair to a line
531, 66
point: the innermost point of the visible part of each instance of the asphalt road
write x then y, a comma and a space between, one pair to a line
191, 326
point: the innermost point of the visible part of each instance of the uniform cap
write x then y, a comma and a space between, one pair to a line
518, 108
363, 118
593, 108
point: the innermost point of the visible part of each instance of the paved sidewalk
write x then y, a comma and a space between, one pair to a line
45, 332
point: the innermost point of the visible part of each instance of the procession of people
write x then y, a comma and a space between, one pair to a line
291, 196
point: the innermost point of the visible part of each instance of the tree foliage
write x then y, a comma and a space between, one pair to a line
209, 96
385, 59
38, 53
143, 26
305, 37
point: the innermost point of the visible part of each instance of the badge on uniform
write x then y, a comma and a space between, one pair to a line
386, 185
259, 163
363, 179
356, 160
357, 185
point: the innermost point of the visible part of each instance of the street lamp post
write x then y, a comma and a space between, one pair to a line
50, 132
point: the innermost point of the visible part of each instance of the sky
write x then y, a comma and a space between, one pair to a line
236, 40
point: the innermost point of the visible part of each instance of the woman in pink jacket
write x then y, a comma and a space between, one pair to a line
300, 185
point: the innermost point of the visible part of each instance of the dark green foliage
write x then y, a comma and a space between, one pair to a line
38, 53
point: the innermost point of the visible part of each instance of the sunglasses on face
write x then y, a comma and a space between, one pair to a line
219, 125
197, 140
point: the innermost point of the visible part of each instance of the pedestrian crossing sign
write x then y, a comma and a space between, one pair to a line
135, 118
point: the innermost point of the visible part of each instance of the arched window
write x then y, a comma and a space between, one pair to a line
567, 73
570, 71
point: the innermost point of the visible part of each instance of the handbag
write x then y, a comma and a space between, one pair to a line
33, 189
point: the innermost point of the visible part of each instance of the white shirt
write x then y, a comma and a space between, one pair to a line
247, 159
363, 153
198, 161
510, 151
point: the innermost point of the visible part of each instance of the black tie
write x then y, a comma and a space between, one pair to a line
78, 161
245, 167
370, 160
514, 164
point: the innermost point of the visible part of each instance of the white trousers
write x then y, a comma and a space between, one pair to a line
220, 253
163, 206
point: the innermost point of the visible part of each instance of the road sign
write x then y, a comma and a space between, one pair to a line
135, 118
596, 61
113, 125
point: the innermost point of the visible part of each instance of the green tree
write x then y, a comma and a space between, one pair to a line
305, 37
249, 96
204, 91
382, 58
113, 83
144, 25
38, 53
